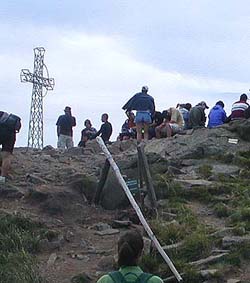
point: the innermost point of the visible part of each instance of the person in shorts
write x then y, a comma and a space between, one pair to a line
144, 105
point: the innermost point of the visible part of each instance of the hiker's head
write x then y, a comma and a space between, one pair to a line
105, 117
203, 104
87, 123
221, 103
188, 106
130, 247
67, 110
243, 97
144, 89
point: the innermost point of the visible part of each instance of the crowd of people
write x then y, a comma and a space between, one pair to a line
143, 124
147, 123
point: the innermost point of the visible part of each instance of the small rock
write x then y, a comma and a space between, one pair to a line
69, 235
235, 241
82, 277
121, 224
233, 281
52, 259
208, 273
106, 263
102, 226
82, 257
107, 232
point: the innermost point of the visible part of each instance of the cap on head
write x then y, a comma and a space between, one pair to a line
243, 97
144, 88
67, 109
203, 104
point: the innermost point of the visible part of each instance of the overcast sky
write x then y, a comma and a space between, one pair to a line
101, 52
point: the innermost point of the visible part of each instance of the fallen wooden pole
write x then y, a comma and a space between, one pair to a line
137, 209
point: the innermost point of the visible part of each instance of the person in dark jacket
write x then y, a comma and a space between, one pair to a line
144, 105
87, 133
197, 116
106, 129
7, 140
217, 115
65, 124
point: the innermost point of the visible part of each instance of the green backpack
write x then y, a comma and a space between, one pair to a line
117, 277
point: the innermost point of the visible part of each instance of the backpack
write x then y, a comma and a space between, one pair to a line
117, 277
11, 121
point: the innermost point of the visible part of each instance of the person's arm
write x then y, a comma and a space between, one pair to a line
73, 121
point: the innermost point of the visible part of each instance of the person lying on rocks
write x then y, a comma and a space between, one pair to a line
130, 246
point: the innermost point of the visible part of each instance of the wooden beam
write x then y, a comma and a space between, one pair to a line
100, 186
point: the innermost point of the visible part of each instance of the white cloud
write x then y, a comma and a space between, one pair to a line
93, 74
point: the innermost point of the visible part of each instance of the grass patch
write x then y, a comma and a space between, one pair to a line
205, 170
19, 237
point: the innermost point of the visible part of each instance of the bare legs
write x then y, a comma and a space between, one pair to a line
6, 161
139, 128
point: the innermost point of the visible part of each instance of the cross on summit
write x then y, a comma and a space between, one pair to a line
35, 137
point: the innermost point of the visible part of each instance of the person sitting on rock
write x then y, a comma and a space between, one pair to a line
87, 133
157, 121
171, 126
239, 107
130, 246
106, 129
185, 109
197, 116
128, 128
217, 115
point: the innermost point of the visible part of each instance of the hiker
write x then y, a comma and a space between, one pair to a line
185, 109
128, 128
239, 107
65, 123
106, 129
10, 124
87, 133
172, 124
217, 115
144, 105
130, 246
157, 121
197, 116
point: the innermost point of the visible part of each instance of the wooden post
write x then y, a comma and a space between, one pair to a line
102, 181
148, 178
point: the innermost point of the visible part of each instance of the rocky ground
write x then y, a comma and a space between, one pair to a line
201, 182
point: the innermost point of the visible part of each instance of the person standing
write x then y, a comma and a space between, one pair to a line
65, 124
106, 129
9, 125
144, 105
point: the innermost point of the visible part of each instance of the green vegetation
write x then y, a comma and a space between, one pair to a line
205, 170
19, 238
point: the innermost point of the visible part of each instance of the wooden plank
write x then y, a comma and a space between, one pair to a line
102, 182
148, 178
